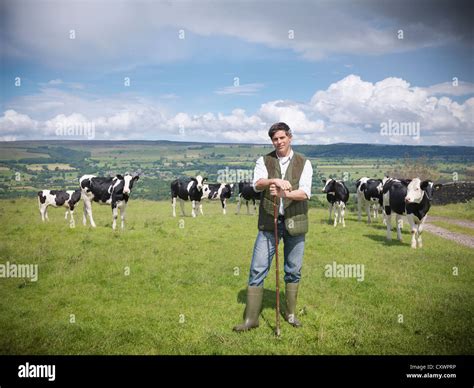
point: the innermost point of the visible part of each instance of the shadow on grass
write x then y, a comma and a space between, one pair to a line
383, 239
378, 226
375, 223
242, 213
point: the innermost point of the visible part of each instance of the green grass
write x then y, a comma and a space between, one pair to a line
186, 287
463, 211
454, 228
13, 153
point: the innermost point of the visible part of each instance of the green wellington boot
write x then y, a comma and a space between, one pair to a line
290, 312
252, 309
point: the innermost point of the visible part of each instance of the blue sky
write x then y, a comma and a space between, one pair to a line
334, 71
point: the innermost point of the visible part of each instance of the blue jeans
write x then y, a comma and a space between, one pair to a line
264, 250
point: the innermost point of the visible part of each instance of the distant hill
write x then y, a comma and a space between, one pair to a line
385, 151
346, 150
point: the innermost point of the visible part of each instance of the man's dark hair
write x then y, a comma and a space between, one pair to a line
279, 127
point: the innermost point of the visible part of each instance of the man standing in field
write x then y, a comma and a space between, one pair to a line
288, 176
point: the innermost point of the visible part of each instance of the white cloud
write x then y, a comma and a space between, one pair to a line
235, 127
352, 101
56, 83
241, 90
350, 110
459, 88
290, 112
17, 126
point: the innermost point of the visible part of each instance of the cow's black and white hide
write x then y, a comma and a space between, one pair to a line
113, 191
58, 198
337, 195
369, 194
217, 191
410, 197
187, 189
247, 193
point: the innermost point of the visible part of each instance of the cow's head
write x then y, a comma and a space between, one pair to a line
200, 181
128, 182
417, 189
329, 186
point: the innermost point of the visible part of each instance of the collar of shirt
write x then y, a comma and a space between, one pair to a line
285, 159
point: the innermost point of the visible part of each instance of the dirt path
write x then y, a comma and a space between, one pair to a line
447, 234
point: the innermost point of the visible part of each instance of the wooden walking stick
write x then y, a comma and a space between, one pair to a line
275, 221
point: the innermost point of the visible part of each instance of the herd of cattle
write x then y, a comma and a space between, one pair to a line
403, 197
410, 197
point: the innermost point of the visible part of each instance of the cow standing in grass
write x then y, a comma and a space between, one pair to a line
187, 189
410, 197
58, 198
248, 193
337, 195
114, 191
369, 193
217, 191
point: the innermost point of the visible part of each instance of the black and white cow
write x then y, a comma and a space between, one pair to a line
247, 192
410, 197
114, 191
187, 189
58, 198
217, 191
369, 194
337, 195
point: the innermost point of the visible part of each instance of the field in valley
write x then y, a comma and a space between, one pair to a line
26, 167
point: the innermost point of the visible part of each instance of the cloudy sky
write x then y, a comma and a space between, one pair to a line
224, 71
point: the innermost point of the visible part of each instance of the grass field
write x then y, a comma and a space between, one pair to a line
462, 211
177, 286
13, 153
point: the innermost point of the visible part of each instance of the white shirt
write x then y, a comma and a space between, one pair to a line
260, 172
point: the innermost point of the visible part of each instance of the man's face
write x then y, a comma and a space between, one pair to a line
281, 141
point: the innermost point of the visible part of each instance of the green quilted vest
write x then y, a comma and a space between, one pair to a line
296, 212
